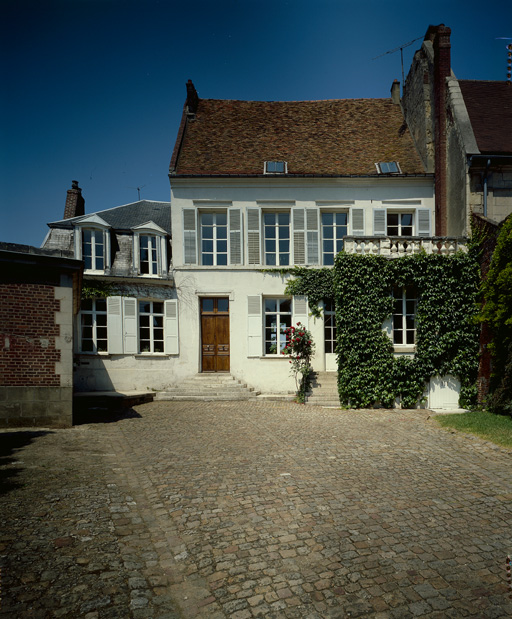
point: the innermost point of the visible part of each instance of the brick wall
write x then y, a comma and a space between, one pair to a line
27, 335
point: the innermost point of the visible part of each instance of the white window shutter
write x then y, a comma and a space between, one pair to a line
115, 325
423, 221
379, 222
235, 235
171, 343
300, 311
312, 228
189, 236
254, 326
253, 235
299, 235
357, 221
130, 325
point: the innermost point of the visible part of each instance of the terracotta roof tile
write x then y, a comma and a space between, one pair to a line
489, 105
338, 137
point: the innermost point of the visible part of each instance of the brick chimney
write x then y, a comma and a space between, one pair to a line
75, 203
192, 98
395, 92
440, 37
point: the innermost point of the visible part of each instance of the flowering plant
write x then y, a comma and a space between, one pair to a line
299, 348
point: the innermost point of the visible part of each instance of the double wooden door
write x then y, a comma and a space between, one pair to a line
215, 334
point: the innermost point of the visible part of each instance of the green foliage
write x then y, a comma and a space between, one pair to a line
446, 333
300, 348
96, 290
497, 312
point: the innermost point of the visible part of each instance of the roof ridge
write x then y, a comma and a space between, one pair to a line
299, 101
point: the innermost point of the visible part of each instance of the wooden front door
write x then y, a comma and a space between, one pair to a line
215, 334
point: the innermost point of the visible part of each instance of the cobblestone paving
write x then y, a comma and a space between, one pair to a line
245, 509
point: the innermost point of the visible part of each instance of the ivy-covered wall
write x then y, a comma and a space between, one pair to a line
446, 331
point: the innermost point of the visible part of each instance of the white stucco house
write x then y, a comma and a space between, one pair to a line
257, 186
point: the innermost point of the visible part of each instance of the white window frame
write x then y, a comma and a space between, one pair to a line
151, 326
330, 326
333, 226
215, 253
278, 313
277, 227
94, 313
93, 223
404, 296
159, 236
400, 214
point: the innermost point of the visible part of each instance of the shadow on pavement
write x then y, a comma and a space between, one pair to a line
9, 443
99, 414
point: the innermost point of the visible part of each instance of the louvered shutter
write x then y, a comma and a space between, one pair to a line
189, 236
171, 345
254, 327
115, 325
379, 222
299, 235
300, 310
235, 235
423, 218
253, 235
357, 221
312, 228
130, 326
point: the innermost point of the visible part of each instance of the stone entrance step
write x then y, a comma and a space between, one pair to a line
324, 389
209, 387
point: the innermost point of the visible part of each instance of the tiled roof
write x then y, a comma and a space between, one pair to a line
128, 216
336, 137
489, 105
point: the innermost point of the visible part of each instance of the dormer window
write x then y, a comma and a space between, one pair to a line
150, 250
92, 244
276, 167
388, 167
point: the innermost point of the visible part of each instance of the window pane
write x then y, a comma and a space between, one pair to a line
207, 233
222, 259
158, 347
328, 232
392, 219
284, 246
283, 219
222, 233
406, 219
341, 219
87, 320
207, 219
222, 247
270, 305
101, 320
101, 305
144, 306
87, 346
410, 337
270, 232
86, 332
328, 246
270, 259
208, 259
222, 219
222, 305
207, 305
86, 304
285, 305
269, 219
284, 259
101, 333
207, 246
102, 346
327, 219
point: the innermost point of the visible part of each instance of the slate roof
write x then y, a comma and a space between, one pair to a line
489, 105
334, 137
127, 216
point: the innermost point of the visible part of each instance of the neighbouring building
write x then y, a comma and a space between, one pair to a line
126, 330
258, 187
463, 132
39, 298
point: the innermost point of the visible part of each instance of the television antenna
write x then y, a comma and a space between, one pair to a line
401, 48
509, 56
138, 190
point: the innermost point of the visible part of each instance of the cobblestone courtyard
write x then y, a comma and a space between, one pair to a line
248, 510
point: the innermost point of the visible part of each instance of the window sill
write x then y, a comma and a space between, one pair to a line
145, 355
404, 349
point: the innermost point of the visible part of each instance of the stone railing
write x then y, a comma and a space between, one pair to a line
394, 247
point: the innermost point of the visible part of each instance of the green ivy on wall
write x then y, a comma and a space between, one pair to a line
446, 333
96, 290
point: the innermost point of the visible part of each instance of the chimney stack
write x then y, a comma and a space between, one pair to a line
192, 98
395, 92
75, 203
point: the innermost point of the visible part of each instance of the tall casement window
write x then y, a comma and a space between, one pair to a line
404, 316
149, 254
151, 327
399, 224
334, 228
276, 231
214, 239
93, 326
278, 317
329, 326
93, 249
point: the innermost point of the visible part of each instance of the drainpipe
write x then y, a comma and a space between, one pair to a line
485, 185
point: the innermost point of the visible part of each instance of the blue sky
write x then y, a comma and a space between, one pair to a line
93, 90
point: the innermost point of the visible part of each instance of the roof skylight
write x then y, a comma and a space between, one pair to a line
388, 167
275, 167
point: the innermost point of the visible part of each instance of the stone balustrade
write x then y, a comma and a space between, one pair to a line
395, 247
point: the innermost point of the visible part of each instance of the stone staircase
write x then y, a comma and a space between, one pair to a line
208, 388
324, 389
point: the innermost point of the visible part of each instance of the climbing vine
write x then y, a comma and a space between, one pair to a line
446, 334
96, 290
